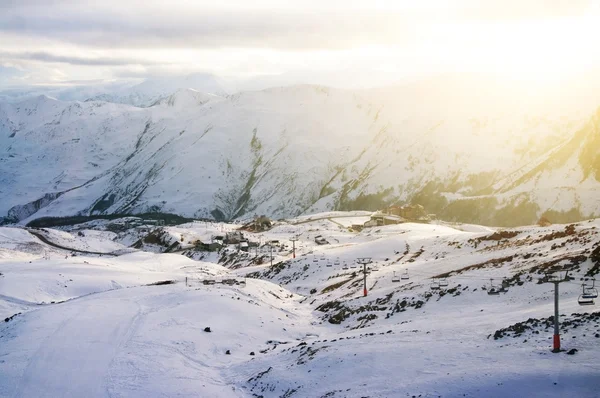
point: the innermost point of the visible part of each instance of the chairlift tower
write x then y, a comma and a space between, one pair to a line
364, 261
293, 240
556, 280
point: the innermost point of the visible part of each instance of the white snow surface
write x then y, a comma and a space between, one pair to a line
91, 325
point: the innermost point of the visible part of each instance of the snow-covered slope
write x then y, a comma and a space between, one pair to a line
297, 150
302, 327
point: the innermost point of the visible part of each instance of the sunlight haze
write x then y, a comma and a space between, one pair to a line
381, 42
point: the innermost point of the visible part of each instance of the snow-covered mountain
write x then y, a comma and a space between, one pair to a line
491, 157
136, 92
155, 89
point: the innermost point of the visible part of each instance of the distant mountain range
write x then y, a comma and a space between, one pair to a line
468, 150
136, 93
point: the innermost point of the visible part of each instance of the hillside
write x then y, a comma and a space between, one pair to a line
303, 149
301, 327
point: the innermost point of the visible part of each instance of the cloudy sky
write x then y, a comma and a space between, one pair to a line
65, 42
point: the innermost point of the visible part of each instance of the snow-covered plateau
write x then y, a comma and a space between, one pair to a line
123, 308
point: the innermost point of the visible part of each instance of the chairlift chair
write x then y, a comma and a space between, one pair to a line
336, 262
590, 291
435, 285
493, 290
404, 275
329, 264
585, 299
395, 278
443, 283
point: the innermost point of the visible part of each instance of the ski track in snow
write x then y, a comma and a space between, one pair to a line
80, 349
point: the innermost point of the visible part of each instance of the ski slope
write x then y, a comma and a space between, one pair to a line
112, 332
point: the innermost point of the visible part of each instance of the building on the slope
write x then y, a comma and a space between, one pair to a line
259, 224
218, 239
207, 247
380, 218
409, 212
233, 238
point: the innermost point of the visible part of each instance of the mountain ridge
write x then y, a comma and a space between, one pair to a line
294, 150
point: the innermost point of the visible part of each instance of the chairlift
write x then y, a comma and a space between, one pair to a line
585, 299
395, 278
329, 264
590, 291
336, 262
493, 290
404, 275
435, 285
315, 260
374, 267
444, 282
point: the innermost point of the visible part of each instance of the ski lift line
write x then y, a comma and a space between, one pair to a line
432, 275
578, 284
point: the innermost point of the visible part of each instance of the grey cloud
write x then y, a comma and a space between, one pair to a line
73, 60
120, 25
177, 28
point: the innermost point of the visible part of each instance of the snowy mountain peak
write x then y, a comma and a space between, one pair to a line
188, 97
36, 102
155, 89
